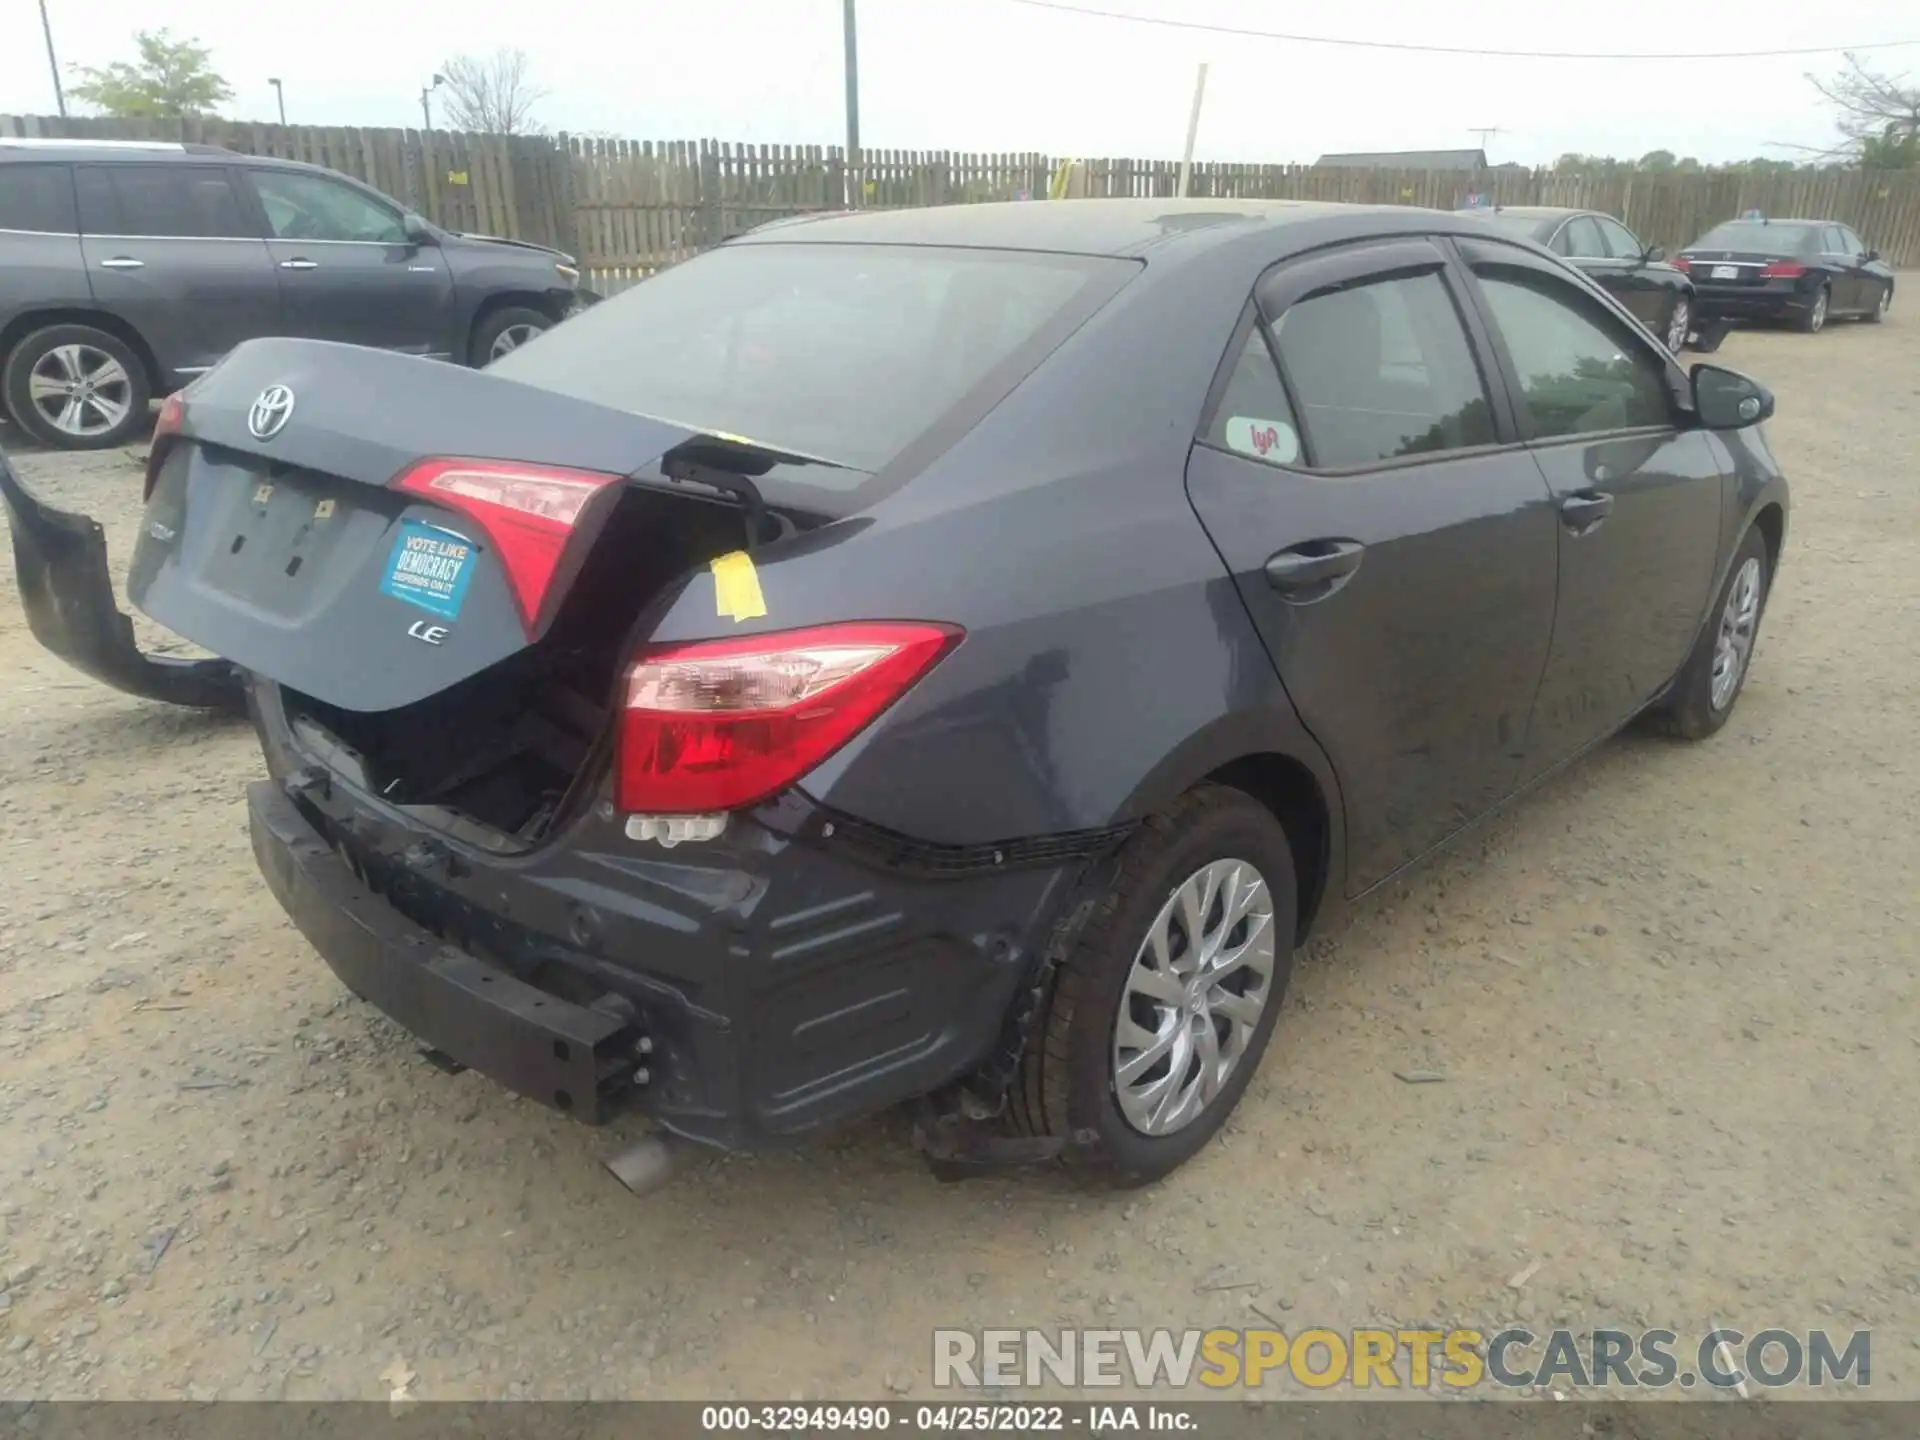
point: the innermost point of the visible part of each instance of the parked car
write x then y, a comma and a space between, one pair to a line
979, 719
1659, 294
126, 269
1802, 271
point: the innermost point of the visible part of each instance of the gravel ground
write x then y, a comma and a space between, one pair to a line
1672, 996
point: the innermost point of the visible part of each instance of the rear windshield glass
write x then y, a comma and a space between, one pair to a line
1756, 236
844, 353
1526, 227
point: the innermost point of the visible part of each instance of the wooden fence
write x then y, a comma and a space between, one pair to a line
627, 208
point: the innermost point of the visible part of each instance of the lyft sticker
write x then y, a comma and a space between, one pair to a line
1273, 440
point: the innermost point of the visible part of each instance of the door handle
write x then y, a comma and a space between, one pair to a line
299, 264
1583, 511
123, 262
1317, 562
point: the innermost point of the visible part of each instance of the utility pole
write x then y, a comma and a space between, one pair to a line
855, 191
1486, 134
280, 97
1193, 130
60, 95
426, 101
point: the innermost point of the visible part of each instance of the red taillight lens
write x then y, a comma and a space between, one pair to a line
173, 414
1681, 262
1783, 270
529, 512
723, 724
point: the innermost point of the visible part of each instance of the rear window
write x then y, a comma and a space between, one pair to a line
1759, 238
844, 353
36, 197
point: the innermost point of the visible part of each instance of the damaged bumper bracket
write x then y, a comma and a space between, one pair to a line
60, 563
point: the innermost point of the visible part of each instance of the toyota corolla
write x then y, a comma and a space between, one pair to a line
947, 656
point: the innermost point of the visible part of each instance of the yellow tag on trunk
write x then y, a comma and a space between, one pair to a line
736, 587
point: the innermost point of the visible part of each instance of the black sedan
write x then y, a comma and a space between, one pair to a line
1035, 622
1801, 271
1658, 294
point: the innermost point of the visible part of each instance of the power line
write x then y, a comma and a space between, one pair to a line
1452, 49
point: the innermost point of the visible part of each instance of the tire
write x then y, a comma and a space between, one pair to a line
1814, 319
1679, 322
1878, 314
1695, 706
75, 387
1068, 1086
506, 327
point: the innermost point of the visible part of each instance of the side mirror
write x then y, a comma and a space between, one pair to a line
1727, 400
418, 231
1873, 255
1655, 253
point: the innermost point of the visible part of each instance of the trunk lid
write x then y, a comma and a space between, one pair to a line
274, 535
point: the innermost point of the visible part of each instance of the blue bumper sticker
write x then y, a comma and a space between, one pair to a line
429, 567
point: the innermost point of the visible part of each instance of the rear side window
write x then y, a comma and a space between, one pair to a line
172, 201
1832, 241
1382, 370
1579, 372
37, 197
1254, 417
843, 353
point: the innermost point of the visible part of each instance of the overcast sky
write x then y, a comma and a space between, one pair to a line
994, 75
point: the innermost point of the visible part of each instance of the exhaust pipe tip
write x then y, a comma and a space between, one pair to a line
646, 1165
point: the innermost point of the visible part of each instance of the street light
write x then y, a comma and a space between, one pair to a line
46, 27
280, 97
426, 100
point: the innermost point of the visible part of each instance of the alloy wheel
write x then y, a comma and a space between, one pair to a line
512, 338
1678, 326
1819, 317
1733, 645
80, 390
1200, 983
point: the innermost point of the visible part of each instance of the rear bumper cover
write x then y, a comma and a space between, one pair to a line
60, 564
771, 985
1748, 304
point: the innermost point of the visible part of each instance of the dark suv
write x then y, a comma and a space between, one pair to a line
126, 269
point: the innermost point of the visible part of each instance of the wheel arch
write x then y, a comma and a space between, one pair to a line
542, 301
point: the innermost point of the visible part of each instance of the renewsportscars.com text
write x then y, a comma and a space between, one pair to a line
1459, 1359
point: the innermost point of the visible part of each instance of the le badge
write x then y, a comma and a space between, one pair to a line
432, 634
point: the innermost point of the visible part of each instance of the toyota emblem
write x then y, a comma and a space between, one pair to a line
269, 413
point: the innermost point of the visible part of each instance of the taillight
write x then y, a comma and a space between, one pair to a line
1681, 263
1782, 270
720, 725
529, 512
173, 414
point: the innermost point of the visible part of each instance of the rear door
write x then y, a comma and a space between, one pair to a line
1394, 547
347, 270
40, 261
171, 250
1639, 494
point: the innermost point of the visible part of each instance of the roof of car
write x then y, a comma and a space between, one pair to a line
1531, 212
163, 152
1126, 227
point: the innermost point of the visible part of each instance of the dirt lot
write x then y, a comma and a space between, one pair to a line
1673, 996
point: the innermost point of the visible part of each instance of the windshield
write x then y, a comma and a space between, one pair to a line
844, 353
1756, 235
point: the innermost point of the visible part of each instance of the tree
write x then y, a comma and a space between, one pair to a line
172, 78
492, 95
1879, 114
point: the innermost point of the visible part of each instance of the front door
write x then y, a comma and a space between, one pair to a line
348, 270
1630, 280
171, 251
1639, 493
1394, 548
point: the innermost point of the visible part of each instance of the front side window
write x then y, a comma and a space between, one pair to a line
310, 207
184, 202
37, 198
1620, 240
1383, 370
1855, 245
1580, 373
1835, 245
